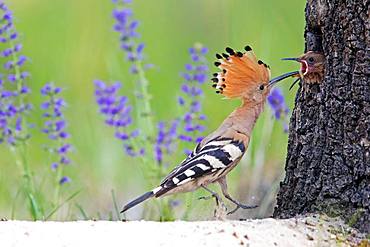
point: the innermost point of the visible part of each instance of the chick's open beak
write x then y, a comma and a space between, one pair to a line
304, 65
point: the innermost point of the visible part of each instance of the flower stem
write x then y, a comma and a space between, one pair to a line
20, 154
17, 71
144, 111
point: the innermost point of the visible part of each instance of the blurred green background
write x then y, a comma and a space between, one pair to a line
72, 43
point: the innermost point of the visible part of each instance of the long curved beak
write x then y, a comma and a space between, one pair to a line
282, 77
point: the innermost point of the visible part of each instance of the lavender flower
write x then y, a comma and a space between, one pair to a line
55, 127
13, 90
166, 136
190, 102
127, 26
278, 106
116, 111
190, 99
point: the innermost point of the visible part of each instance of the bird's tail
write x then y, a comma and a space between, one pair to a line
140, 199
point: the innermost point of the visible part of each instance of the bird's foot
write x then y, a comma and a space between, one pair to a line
220, 211
239, 205
218, 199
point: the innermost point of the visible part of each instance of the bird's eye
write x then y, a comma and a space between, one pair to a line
262, 87
311, 59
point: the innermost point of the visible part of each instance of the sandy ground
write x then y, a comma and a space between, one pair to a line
309, 231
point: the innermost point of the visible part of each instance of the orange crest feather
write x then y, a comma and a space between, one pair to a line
239, 71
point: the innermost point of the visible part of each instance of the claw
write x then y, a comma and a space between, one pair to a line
205, 197
233, 211
220, 211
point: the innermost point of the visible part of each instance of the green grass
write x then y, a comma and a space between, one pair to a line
72, 43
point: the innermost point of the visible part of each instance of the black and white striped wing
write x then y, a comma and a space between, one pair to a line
216, 154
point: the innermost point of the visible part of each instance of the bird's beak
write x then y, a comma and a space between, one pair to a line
282, 77
292, 59
304, 66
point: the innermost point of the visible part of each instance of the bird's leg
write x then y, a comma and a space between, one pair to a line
213, 194
221, 209
223, 184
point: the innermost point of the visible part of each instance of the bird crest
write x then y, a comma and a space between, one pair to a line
240, 71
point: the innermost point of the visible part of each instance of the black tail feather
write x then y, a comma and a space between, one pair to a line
138, 200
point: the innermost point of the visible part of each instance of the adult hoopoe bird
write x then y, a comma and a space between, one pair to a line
242, 76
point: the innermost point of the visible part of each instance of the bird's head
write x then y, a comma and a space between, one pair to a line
242, 76
311, 62
311, 71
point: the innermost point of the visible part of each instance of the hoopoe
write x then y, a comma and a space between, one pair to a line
312, 68
241, 76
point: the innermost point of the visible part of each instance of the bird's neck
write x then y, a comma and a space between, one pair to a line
314, 77
243, 118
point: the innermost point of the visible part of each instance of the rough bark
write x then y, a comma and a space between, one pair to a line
328, 160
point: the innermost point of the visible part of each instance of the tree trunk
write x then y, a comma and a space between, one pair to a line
328, 161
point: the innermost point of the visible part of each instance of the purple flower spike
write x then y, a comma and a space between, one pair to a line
278, 106
117, 113
13, 88
166, 136
191, 96
55, 126
127, 27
